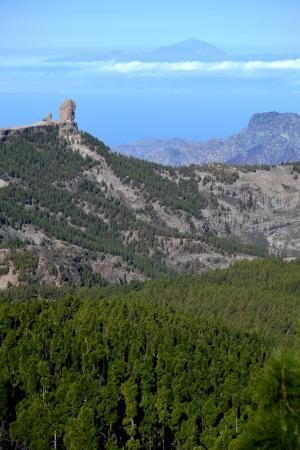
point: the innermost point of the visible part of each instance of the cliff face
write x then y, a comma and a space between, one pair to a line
86, 213
270, 138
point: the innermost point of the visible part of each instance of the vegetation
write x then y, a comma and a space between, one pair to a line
49, 189
296, 167
113, 373
162, 364
275, 416
175, 362
232, 247
40, 166
254, 167
145, 175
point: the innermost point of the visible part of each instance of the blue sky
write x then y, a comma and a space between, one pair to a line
252, 25
121, 101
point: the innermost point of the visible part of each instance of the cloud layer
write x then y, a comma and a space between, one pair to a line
248, 67
235, 68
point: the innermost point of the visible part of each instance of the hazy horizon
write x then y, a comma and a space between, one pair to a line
94, 54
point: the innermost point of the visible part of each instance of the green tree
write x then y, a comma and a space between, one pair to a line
275, 423
81, 432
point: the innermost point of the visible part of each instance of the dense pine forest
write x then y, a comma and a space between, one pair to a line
186, 363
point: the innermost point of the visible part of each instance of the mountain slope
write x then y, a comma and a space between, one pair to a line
270, 138
163, 364
72, 211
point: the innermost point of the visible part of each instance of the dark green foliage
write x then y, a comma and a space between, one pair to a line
232, 246
165, 363
146, 176
25, 263
275, 420
4, 269
296, 167
41, 164
254, 167
12, 243
221, 173
92, 373
262, 295
40, 155
50, 190
159, 365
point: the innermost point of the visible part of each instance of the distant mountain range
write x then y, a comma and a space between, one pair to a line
270, 138
187, 50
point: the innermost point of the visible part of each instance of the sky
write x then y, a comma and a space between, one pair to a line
121, 101
254, 25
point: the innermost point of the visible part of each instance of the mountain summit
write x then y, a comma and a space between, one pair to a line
187, 50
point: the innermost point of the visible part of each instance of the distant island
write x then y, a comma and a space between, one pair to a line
191, 49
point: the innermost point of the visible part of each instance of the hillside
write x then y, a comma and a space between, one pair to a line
157, 365
270, 138
72, 211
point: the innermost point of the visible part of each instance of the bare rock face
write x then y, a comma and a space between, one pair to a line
67, 111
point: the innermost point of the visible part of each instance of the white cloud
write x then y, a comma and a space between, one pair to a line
237, 68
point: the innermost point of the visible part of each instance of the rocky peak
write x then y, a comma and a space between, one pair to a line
67, 111
274, 123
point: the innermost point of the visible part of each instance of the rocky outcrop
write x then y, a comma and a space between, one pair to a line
67, 111
66, 124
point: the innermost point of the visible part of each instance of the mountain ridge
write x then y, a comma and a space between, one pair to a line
73, 211
270, 138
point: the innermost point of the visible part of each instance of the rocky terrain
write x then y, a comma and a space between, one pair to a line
73, 211
270, 138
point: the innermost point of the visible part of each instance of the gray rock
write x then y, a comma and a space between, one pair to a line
67, 111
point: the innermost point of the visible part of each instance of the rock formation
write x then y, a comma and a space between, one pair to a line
67, 125
67, 111
48, 118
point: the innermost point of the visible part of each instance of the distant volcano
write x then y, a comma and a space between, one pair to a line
188, 50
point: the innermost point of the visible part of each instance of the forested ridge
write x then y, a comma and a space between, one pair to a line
162, 364
119, 218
